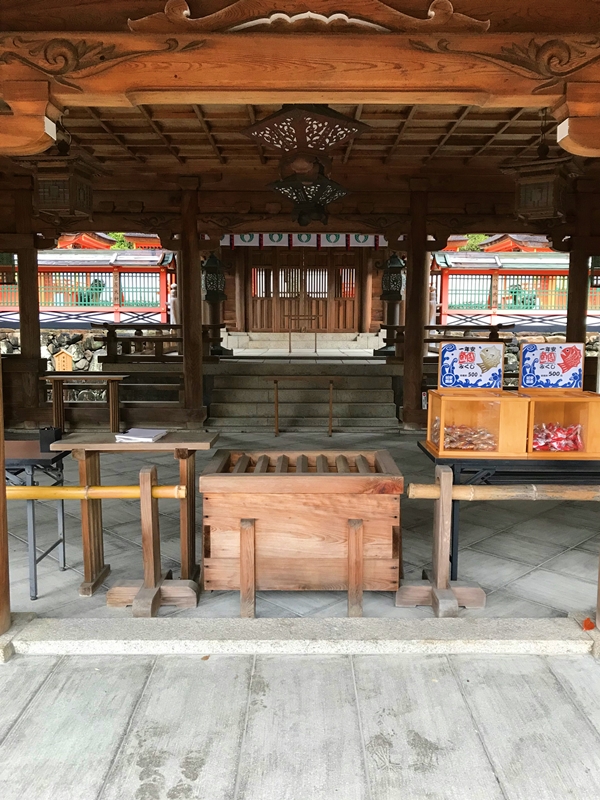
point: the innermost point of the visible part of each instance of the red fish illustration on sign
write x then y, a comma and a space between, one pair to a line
570, 357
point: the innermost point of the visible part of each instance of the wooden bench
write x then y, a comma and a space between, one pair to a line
302, 522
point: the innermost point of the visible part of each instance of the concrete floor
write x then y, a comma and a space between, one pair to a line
300, 728
534, 559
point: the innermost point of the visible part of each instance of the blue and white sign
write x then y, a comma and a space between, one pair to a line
471, 366
551, 366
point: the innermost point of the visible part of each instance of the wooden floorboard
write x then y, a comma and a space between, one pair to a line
62, 746
185, 737
418, 733
537, 740
302, 739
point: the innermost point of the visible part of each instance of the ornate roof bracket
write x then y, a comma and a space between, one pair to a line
32, 126
263, 15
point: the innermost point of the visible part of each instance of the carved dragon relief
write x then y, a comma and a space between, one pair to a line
314, 15
64, 60
551, 61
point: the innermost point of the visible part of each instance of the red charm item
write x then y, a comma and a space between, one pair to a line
557, 439
587, 624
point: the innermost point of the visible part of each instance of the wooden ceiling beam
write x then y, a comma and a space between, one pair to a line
456, 124
357, 116
146, 114
549, 131
252, 116
206, 128
503, 128
117, 137
403, 126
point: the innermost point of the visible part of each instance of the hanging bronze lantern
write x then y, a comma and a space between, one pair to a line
213, 280
392, 280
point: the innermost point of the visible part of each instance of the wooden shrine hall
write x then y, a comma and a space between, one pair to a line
405, 121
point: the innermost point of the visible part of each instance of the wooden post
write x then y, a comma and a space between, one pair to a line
29, 300
147, 601
113, 406
276, 390
355, 567
417, 295
189, 290
58, 404
4, 569
577, 299
240, 290
247, 568
366, 294
187, 514
443, 599
95, 571
330, 430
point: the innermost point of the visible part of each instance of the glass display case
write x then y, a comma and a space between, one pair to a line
477, 423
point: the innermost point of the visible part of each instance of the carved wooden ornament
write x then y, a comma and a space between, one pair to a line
314, 15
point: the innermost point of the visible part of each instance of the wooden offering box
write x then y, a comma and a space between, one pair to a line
302, 521
478, 423
564, 418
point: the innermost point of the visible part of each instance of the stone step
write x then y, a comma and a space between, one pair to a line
361, 383
301, 410
319, 395
248, 424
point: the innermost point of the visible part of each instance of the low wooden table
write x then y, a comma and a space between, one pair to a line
58, 381
302, 521
86, 449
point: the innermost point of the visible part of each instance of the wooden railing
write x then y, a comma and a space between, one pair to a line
151, 343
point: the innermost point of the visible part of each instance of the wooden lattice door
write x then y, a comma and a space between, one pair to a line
306, 288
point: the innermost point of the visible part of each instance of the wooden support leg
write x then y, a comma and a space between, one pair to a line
437, 589
190, 570
95, 571
330, 408
113, 406
276, 408
355, 567
58, 405
247, 568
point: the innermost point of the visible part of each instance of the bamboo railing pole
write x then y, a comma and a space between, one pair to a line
418, 491
91, 492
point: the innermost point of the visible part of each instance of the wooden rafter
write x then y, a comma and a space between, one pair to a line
535, 140
494, 136
401, 130
261, 152
117, 137
206, 128
357, 116
457, 122
146, 114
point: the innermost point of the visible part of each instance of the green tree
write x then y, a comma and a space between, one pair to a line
474, 241
121, 242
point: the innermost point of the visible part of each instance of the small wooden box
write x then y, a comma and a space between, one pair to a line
567, 408
302, 506
479, 423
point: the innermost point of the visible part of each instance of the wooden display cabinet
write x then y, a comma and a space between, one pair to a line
567, 408
302, 521
478, 423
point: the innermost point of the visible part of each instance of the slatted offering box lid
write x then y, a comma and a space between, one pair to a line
331, 472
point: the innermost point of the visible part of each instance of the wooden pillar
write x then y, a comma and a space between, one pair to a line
577, 299
366, 294
4, 573
189, 290
29, 301
417, 295
240, 290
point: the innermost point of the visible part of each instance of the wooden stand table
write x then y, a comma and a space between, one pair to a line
302, 521
86, 449
79, 380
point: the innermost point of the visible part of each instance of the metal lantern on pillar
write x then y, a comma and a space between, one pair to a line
392, 280
8, 273
213, 280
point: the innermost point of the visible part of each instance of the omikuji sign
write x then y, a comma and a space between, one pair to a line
551, 366
471, 366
